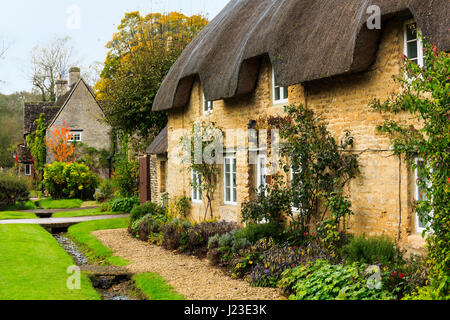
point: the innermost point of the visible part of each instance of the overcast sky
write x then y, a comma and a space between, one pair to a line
27, 23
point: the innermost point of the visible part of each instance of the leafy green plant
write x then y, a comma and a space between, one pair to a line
105, 191
425, 97
371, 250
126, 170
69, 180
124, 204
183, 205
272, 204
255, 232
148, 208
318, 167
38, 148
324, 281
13, 189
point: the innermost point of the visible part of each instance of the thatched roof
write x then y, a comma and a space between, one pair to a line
160, 144
304, 39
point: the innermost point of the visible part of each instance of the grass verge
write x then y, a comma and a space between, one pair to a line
8, 215
92, 247
155, 287
82, 213
34, 267
59, 204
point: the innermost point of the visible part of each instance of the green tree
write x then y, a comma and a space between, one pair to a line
425, 96
140, 56
38, 148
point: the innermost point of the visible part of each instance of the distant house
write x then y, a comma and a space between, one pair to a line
75, 105
257, 56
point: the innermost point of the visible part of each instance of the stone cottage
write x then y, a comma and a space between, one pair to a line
257, 56
75, 105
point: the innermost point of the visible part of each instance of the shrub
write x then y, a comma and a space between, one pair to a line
274, 261
255, 232
69, 180
182, 206
172, 232
105, 206
105, 191
371, 250
243, 262
13, 189
270, 205
195, 238
148, 208
324, 281
124, 204
147, 226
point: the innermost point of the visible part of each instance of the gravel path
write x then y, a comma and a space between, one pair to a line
190, 276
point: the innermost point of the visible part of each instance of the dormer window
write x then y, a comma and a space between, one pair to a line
76, 136
413, 47
280, 94
208, 106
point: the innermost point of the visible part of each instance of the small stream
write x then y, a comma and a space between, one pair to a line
109, 287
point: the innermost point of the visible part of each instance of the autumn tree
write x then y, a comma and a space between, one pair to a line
140, 56
59, 144
47, 63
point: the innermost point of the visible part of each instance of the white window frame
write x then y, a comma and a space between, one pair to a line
283, 99
420, 56
207, 106
261, 169
196, 179
72, 133
233, 180
419, 229
28, 165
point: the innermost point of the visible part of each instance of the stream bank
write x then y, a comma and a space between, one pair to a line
112, 283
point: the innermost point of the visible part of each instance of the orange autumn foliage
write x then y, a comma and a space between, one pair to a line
59, 143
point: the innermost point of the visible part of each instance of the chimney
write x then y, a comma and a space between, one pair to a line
61, 86
74, 76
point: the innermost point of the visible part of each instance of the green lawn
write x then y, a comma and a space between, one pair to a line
7, 215
83, 213
34, 267
156, 287
93, 248
59, 204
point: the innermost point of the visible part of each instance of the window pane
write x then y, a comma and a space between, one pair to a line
277, 93
234, 194
411, 32
285, 93
412, 50
227, 194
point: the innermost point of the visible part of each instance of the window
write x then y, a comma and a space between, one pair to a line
280, 94
208, 106
413, 48
421, 225
230, 187
261, 172
196, 180
76, 136
28, 169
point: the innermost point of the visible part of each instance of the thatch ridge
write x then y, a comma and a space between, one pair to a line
305, 40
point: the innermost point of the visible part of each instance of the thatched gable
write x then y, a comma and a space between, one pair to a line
160, 144
304, 39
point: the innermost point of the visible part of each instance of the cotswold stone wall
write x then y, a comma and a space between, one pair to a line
382, 195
